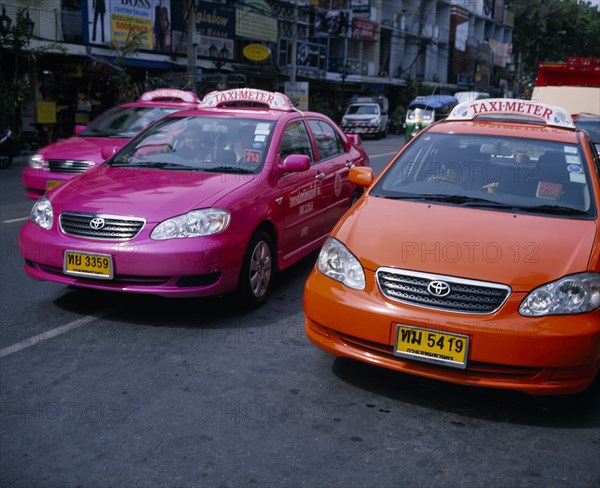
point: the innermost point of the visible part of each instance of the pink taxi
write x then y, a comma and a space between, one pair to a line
92, 144
202, 202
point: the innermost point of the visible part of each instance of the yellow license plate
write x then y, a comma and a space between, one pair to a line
88, 264
52, 183
431, 346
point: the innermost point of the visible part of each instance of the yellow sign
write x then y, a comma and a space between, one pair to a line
121, 25
256, 52
46, 112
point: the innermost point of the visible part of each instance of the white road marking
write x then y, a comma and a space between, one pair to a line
49, 334
21, 219
382, 155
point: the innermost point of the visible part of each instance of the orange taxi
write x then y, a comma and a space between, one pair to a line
474, 258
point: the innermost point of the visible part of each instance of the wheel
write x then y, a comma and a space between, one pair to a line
256, 275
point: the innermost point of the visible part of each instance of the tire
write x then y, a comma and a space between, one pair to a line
256, 276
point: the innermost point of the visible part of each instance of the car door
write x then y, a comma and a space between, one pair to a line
304, 201
334, 166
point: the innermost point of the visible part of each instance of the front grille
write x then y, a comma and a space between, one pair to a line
96, 226
68, 166
465, 296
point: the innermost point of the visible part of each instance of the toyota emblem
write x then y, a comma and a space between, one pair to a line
97, 223
438, 288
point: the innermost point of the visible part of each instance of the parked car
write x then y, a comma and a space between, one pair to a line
203, 202
474, 258
92, 144
591, 124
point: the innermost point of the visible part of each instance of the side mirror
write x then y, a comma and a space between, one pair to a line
108, 151
354, 139
295, 163
79, 128
361, 176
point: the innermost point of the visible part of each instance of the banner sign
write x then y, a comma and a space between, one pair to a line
111, 21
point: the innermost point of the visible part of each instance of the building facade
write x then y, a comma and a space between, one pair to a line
332, 48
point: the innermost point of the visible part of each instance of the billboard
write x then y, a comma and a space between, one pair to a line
112, 20
333, 23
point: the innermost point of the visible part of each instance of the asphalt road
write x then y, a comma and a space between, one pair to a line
101, 390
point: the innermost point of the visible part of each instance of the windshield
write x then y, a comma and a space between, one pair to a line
362, 110
592, 126
207, 144
507, 173
124, 122
419, 113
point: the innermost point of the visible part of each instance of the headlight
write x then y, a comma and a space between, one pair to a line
42, 213
344, 121
196, 223
37, 161
578, 293
337, 262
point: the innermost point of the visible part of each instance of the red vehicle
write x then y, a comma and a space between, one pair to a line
573, 85
92, 144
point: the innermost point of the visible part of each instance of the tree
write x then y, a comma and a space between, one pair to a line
553, 30
123, 84
15, 87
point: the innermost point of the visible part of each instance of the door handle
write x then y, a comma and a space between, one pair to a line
349, 164
320, 176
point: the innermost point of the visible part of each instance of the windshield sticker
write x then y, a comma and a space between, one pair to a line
577, 178
262, 129
260, 138
547, 189
570, 159
257, 145
570, 150
575, 169
251, 156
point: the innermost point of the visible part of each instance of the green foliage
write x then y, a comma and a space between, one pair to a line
125, 89
553, 30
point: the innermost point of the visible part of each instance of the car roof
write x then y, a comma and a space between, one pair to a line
247, 102
501, 128
512, 117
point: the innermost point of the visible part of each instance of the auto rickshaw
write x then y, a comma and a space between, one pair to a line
425, 110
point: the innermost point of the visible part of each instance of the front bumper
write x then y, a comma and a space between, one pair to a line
193, 267
543, 356
37, 181
360, 129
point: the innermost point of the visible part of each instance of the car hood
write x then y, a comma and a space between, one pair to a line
150, 194
522, 251
81, 148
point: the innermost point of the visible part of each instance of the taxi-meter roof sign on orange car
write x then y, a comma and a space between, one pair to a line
474, 258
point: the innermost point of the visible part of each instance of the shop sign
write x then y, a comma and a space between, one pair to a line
254, 19
256, 52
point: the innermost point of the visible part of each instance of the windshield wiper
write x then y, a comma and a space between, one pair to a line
553, 209
462, 200
228, 169
153, 164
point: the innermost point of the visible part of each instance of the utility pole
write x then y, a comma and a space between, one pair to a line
294, 42
191, 46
